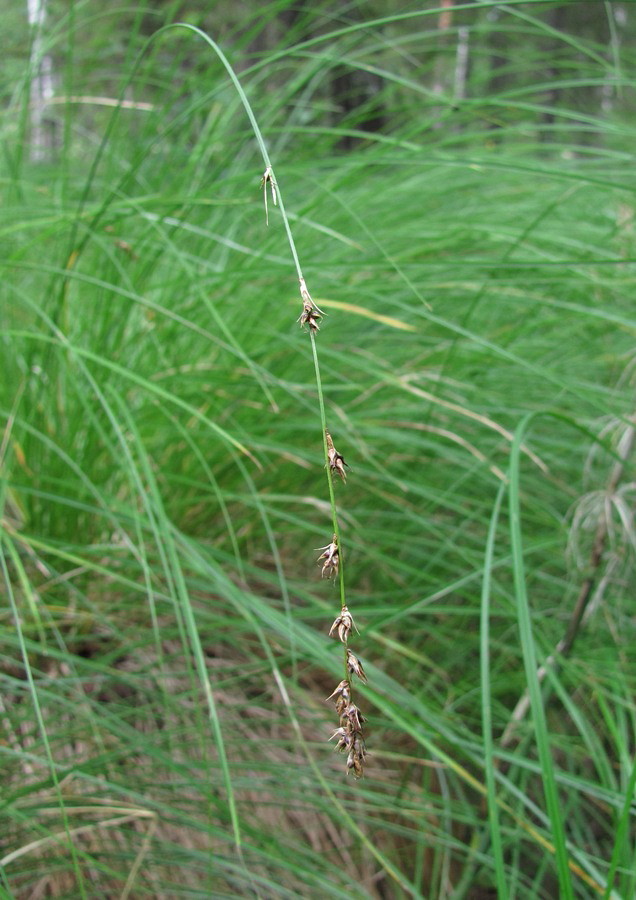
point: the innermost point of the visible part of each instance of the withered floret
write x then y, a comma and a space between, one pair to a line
356, 757
331, 558
343, 625
345, 738
311, 314
355, 666
336, 460
341, 697
351, 717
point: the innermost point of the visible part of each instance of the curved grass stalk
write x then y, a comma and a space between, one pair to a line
350, 731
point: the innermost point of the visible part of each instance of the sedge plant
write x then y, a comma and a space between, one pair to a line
349, 733
164, 656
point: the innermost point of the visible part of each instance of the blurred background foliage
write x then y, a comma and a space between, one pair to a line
459, 179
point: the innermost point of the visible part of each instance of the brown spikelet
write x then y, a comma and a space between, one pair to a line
336, 460
354, 666
311, 314
331, 558
342, 625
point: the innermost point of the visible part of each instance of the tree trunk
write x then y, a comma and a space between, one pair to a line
41, 65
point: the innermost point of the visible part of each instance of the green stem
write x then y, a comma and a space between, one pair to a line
255, 128
332, 494
292, 246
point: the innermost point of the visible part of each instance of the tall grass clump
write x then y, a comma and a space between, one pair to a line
458, 184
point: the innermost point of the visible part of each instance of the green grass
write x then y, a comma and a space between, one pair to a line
164, 657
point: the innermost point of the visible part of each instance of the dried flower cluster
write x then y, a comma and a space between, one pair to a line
348, 735
331, 558
342, 625
336, 460
311, 314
